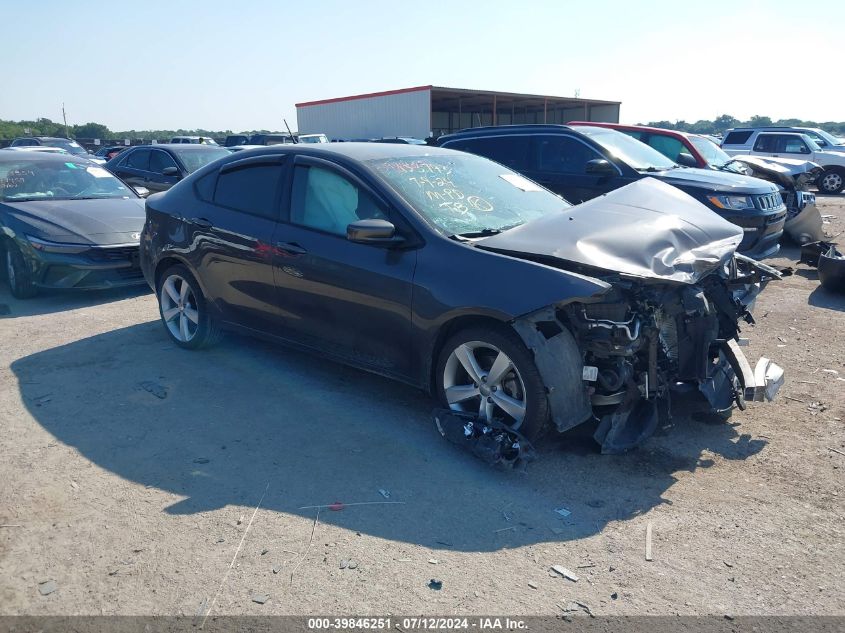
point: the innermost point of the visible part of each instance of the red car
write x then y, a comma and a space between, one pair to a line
689, 150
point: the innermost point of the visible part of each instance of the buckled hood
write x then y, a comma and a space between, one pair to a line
647, 229
788, 172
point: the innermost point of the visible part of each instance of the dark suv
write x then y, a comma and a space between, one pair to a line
581, 162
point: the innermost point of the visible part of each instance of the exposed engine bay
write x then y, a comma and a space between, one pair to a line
645, 339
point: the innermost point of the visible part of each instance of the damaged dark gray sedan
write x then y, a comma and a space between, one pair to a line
450, 272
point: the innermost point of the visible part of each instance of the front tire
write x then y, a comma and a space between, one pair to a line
18, 274
832, 181
184, 310
488, 371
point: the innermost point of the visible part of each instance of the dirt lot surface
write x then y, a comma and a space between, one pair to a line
131, 472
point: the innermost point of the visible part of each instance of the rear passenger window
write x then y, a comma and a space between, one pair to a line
766, 143
511, 151
562, 154
252, 189
737, 138
669, 146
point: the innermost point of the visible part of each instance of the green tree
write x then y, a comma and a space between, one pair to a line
91, 130
723, 122
759, 121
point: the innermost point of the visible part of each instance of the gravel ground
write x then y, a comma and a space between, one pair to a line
132, 471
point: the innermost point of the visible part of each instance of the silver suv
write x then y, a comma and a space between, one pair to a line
787, 144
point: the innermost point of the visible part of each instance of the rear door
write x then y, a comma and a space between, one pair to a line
350, 300
232, 229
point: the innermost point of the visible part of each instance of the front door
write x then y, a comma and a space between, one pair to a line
156, 180
559, 163
350, 300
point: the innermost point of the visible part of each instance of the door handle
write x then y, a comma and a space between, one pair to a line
291, 248
201, 222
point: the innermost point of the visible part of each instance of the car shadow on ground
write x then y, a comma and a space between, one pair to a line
51, 301
824, 298
218, 427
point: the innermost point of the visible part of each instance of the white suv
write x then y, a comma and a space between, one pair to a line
790, 145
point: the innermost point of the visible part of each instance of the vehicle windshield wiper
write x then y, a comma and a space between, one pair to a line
653, 168
488, 231
481, 233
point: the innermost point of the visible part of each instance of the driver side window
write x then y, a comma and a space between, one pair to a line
793, 145
159, 160
326, 201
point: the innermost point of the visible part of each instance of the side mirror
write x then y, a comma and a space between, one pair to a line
686, 160
600, 167
142, 191
170, 171
373, 232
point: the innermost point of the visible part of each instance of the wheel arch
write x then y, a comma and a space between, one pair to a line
450, 327
172, 260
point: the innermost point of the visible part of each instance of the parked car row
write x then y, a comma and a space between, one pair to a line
580, 162
560, 314
792, 177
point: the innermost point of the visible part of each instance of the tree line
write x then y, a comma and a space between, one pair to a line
726, 121
46, 127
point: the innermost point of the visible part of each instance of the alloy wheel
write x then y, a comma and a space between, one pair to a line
479, 377
831, 182
179, 308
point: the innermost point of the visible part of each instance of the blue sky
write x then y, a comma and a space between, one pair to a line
243, 65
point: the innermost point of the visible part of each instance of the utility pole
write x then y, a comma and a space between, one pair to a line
64, 116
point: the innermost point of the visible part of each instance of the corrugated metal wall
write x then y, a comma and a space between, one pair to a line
404, 114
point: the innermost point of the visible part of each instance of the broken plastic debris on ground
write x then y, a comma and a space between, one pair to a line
490, 441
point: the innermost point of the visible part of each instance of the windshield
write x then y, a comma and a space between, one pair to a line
57, 180
465, 194
712, 153
71, 146
197, 157
636, 154
815, 134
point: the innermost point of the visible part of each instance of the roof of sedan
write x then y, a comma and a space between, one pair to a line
356, 151
188, 146
17, 155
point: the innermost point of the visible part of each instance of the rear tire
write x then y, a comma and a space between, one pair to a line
832, 181
18, 274
518, 389
184, 310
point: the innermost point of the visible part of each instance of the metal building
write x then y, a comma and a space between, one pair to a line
426, 111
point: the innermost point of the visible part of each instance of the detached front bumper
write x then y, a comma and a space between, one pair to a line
96, 268
734, 382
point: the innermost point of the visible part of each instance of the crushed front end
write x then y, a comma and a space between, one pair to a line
647, 338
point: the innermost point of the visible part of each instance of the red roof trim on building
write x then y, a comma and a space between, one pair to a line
364, 96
